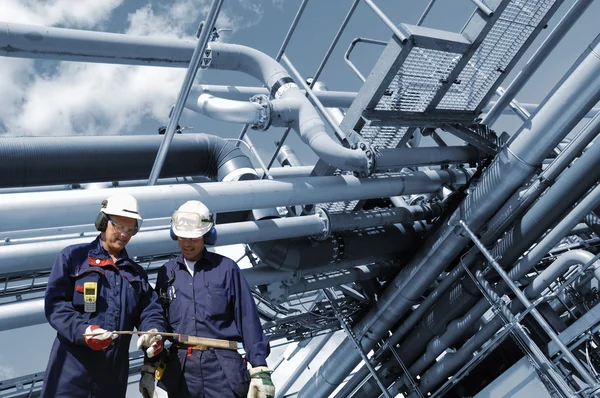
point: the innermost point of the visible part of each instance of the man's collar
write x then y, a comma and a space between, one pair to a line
206, 256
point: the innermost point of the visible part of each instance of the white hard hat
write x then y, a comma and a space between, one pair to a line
192, 220
123, 205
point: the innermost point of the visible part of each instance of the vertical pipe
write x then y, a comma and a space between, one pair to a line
185, 90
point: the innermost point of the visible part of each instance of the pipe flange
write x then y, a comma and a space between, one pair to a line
266, 110
370, 156
324, 217
206, 58
338, 248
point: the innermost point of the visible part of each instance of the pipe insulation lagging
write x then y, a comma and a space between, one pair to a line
34, 161
358, 248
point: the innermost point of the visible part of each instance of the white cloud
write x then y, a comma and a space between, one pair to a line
74, 13
84, 98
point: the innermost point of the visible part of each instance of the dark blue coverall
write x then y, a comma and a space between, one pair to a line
215, 302
124, 300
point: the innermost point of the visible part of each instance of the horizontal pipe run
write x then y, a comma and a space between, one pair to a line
396, 158
41, 253
330, 99
224, 109
47, 209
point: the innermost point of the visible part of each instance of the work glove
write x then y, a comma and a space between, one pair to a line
101, 338
148, 385
261, 385
151, 342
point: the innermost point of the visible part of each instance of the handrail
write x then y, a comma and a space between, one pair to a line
351, 48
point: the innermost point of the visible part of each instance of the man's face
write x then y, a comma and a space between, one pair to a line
191, 248
118, 233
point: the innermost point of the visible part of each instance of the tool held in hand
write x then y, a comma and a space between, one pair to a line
184, 339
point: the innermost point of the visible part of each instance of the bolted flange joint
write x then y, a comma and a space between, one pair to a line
324, 217
264, 119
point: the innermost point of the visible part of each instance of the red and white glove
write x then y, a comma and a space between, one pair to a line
151, 342
261, 385
101, 338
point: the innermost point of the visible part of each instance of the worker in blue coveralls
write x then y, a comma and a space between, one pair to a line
206, 295
95, 289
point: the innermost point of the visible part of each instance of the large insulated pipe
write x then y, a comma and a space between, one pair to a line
57, 208
383, 244
31, 161
559, 113
446, 366
571, 185
28, 41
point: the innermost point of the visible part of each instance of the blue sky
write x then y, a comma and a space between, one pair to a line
61, 98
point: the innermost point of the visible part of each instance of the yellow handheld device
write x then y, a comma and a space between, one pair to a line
90, 296
160, 369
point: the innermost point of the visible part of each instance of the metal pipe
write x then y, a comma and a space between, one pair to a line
29, 161
302, 366
224, 57
399, 35
561, 111
329, 99
483, 8
558, 268
235, 93
225, 110
528, 107
340, 134
185, 90
523, 199
515, 106
537, 59
534, 312
46, 209
397, 158
349, 275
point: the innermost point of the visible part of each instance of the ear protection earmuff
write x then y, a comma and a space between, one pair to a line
102, 219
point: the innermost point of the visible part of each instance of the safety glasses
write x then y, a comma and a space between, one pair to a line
190, 221
123, 229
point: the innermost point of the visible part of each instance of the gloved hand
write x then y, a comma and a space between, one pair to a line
148, 385
101, 338
261, 385
152, 342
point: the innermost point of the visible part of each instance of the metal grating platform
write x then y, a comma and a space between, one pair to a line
493, 57
437, 77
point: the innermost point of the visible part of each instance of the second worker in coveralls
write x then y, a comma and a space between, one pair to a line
207, 296
95, 288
